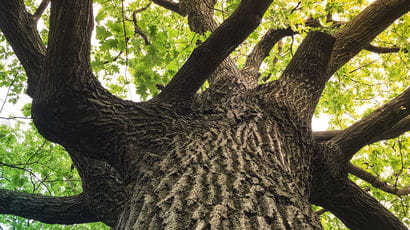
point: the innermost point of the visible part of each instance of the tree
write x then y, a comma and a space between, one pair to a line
216, 147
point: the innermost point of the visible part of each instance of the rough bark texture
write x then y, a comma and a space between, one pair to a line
20, 30
238, 156
61, 210
357, 209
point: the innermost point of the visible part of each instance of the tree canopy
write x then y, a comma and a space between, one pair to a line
139, 46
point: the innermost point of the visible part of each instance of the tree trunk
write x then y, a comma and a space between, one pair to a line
237, 156
230, 167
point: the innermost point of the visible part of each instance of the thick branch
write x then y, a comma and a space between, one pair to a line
69, 39
310, 61
47, 209
375, 126
200, 15
356, 208
20, 31
170, 5
40, 10
376, 182
396, 130
71, 105
206, 58
325, 135
102, 186
226, 78
261, 51
304, 76
358, 33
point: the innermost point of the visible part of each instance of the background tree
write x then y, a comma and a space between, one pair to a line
227, 142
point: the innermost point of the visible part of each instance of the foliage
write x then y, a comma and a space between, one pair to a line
131, 67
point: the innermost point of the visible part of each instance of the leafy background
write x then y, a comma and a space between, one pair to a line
131, 67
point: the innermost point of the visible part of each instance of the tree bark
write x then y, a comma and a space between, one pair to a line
206, 58
247, 160
356, 208
19, 28
378, 183
358, 33
232, 168
374, 125
47, 209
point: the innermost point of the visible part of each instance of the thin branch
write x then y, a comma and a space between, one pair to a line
124, 28
12, 118
308, 68
138, 30
401, 163
40, 10
262, 49
170, 5
297, 7
280, 48
47, 209
384, 50
7, 93
362, 66
376, 182
206, 58
291, 46
35, 153
143, 8
375, 126
115, 58
32, 175
62, 180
